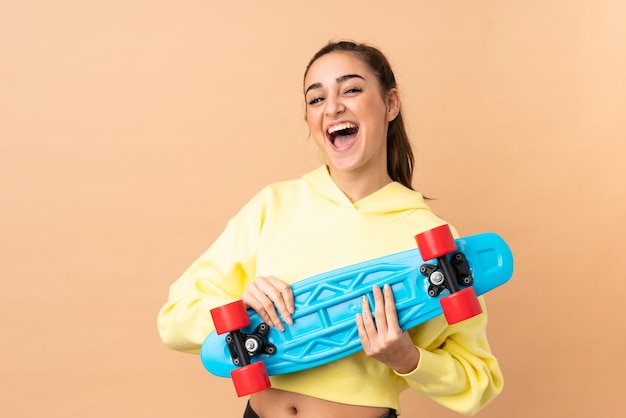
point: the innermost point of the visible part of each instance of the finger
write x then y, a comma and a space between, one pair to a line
368, 318
278, 292
270, 291
284, 299
363, 322
379, 308
360, 326
258, 300
391, 313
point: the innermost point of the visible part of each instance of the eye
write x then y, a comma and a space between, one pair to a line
315, 100
352, 90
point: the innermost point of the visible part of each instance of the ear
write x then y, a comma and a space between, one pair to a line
393, 104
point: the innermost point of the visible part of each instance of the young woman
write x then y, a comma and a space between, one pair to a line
359, 205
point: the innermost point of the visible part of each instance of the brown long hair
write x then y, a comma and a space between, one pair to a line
400, 159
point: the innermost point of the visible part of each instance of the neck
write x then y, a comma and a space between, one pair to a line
356, 185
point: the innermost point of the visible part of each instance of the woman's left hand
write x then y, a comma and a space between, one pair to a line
383, 339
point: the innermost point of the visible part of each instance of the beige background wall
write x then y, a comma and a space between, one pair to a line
130, 131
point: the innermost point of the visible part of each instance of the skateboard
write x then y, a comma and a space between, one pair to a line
441, 276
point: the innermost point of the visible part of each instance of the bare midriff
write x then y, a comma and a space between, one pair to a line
274, 403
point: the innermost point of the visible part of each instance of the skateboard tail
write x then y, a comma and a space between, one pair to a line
491, 265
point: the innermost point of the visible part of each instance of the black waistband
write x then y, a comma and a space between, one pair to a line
390, 414
249, 412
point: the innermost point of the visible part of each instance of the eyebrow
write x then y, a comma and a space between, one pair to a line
338, 80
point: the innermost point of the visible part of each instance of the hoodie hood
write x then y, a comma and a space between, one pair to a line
392, 199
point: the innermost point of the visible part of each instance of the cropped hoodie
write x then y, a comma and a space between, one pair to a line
299, 228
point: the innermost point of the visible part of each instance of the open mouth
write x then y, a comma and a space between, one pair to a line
342, 133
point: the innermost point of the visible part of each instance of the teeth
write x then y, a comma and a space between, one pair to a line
341, 127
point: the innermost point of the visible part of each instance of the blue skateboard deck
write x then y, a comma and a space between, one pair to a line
324, 326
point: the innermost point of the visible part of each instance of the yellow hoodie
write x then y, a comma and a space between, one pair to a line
296, 229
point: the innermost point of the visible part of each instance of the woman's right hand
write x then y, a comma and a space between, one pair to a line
266, 295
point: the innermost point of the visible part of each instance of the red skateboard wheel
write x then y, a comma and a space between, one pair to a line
230, 317
461, 305
250, 379
435, 243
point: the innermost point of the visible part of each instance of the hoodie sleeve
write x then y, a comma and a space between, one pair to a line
217, 277
456, 369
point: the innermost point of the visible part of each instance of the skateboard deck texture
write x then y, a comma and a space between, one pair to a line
324, 326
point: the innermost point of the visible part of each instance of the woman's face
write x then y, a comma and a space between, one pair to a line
348, 114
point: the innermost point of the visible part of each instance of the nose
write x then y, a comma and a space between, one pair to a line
334, 106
